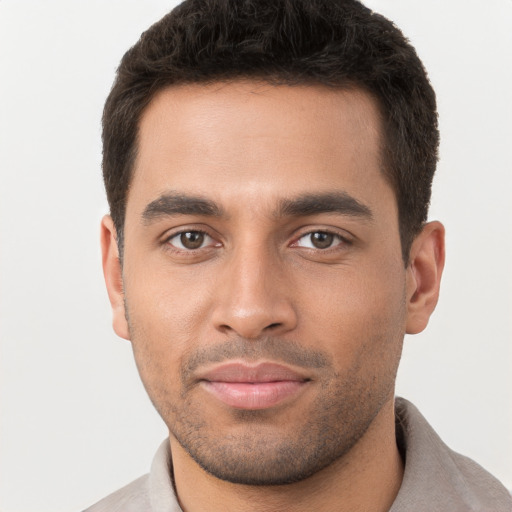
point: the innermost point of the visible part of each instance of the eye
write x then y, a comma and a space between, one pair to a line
190, 240
319, 240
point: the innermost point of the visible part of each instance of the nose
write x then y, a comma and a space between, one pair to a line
253, 298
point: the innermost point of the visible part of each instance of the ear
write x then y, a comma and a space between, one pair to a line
113, 276
426, 265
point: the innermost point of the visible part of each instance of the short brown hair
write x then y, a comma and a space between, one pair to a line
337, 43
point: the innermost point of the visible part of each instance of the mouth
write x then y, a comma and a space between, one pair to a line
259, 386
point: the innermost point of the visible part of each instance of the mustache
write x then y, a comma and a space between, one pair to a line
270, 348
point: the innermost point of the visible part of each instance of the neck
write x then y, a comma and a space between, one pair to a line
366, 478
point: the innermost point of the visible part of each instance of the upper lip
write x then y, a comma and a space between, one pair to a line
237, 371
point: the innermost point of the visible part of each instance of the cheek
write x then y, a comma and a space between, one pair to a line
357, 315
165, 301
165, 320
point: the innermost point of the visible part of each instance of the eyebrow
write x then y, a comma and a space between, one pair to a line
330, 202
179, 204
171, 204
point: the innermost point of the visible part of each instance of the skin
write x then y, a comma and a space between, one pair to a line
260, 288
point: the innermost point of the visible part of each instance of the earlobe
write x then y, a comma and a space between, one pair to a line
112, 272
424, 276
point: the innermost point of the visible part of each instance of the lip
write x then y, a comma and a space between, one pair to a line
247, 386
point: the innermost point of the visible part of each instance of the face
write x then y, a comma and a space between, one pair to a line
264, 290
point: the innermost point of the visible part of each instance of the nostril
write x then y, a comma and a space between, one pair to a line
273, 326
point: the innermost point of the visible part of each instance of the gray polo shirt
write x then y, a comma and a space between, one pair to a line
436, 479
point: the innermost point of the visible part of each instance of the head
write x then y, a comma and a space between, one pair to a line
338, 44
268, 167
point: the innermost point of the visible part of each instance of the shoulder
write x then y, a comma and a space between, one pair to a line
436, 477
133, 497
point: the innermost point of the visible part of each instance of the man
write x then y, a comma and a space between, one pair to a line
268, 166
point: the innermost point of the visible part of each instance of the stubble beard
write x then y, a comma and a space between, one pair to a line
260, 457
261, 451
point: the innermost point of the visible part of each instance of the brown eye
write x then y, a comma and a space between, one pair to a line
319, 240
190, 240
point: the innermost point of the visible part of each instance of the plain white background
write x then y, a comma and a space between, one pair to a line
75, 423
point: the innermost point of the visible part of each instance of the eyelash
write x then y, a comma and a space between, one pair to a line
167, 241
342, 240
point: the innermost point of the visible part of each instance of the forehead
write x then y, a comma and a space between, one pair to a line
257, 139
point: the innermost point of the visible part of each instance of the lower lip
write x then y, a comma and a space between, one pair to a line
260, 395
